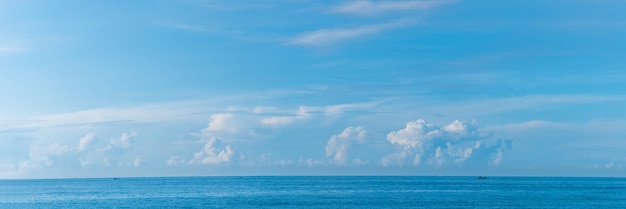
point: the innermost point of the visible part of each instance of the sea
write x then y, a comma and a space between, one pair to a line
316, 192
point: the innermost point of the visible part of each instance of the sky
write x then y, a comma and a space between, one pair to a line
298, 87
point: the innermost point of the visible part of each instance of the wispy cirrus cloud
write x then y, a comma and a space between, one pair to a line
12, 49
194, 28
329, 36
324, 37
381, 7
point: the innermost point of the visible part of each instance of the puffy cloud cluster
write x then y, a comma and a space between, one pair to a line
226, 128
338, 145
213, 153
421, 142
87, 153
124, 141
44, 156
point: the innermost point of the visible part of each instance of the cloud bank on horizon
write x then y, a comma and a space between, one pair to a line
363, 87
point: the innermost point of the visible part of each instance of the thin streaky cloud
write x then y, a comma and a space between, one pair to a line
381, 7
190, 28
12, 49
324, 37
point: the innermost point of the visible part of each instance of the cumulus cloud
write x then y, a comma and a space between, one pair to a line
84, 142
115, 152
358, 161
125, 140
213, 153
311, 162
324, 37
380, 7
221, 126
43, 156
455, 143
338, 145
175, 160
222, 123
85, 154
232, 124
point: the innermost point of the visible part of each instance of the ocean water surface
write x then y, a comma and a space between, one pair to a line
315, 192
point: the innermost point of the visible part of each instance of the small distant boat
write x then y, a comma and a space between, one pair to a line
482, 177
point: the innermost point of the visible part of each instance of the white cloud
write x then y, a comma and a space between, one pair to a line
308, 112
454, 143
213, 153
608, 166
232, 122
193, 28
57, 149
222, 123
302, 114
525, 126
84, 142
282, 162
358, 161
12, 49
325, 37
489, 106
265, 156
125, 141
115, 152
42, 156
338, 145
137, 162
380, 7
288, 117
175, 160
498, 159
85, 154
264, 109
278, 120
340, 108
414, 134
310, 162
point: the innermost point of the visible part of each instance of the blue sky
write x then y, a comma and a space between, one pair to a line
297, 87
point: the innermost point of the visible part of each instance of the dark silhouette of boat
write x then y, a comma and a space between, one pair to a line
482, 177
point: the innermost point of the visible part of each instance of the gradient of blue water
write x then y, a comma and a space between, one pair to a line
315, 192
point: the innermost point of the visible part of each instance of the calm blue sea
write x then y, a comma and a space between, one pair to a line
315, 192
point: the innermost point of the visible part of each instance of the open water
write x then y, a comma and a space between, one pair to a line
315, 192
